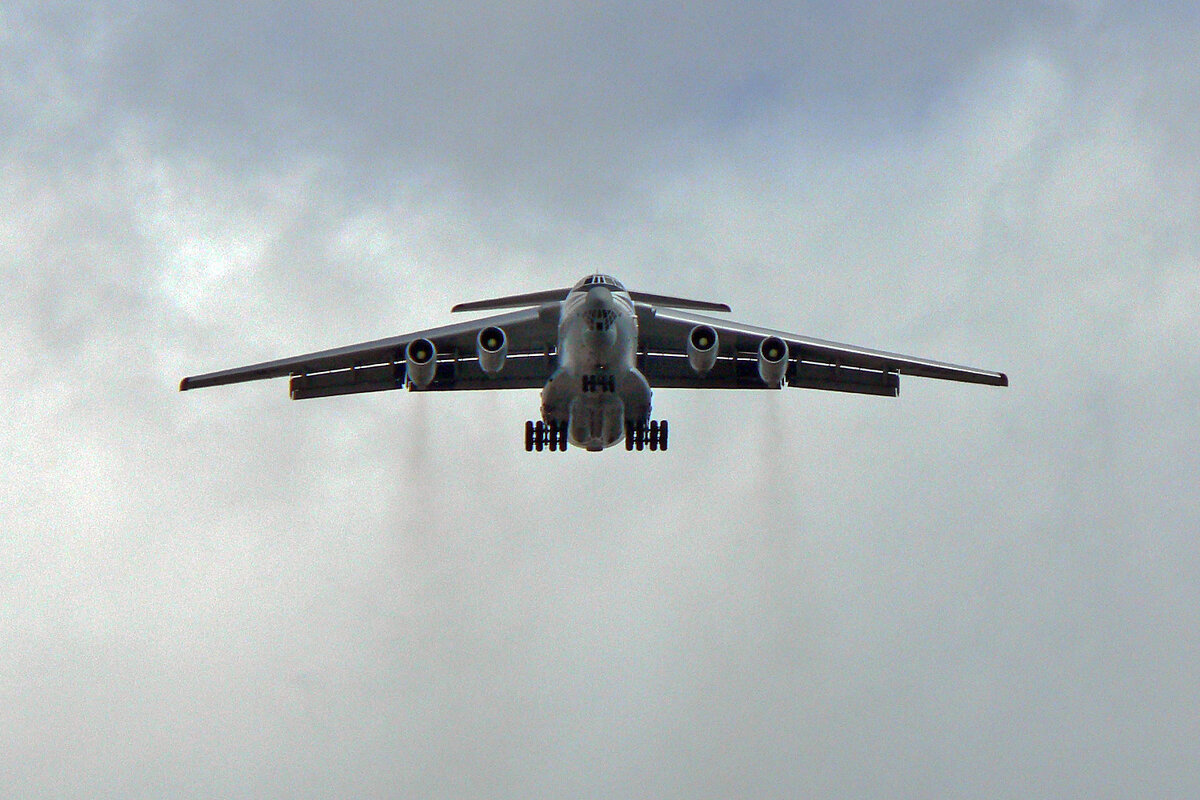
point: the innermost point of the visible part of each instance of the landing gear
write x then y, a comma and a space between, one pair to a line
539, 435
640, 434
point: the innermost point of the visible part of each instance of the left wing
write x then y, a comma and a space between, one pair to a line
379, 365
814, 363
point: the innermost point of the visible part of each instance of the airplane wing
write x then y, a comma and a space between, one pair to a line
380, 365
814, 363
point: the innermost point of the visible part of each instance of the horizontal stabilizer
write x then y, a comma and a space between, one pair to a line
677, 302
515, 301
556, 295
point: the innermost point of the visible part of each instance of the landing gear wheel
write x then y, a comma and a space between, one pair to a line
639, 435
540, 435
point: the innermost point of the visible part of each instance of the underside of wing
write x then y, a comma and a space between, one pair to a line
453, 374
529, 338
741, 372
812, 363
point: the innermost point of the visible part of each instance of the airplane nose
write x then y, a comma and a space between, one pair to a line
599, 297
599, 310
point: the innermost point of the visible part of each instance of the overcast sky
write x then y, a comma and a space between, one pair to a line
963, 592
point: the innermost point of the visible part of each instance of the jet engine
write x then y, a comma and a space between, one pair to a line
772, 361
702, 349
421, 356
492, 347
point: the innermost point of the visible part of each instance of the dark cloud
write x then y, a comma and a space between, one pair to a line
542, 103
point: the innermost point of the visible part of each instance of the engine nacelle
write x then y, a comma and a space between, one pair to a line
492, 347
421, 358
772, 361
702, 349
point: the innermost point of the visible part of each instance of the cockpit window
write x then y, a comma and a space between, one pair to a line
601, 280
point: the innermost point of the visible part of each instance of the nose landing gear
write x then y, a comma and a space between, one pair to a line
639, 435
599, 383
539, 435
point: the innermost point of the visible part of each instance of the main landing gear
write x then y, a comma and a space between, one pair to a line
640, 434
539, 435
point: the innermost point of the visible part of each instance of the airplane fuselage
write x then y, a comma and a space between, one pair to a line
597, 390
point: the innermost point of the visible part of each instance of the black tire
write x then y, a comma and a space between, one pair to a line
528, 436
539, 436
562, 437
662, 435
653, 437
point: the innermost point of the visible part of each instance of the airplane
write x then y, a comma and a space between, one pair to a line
597, 351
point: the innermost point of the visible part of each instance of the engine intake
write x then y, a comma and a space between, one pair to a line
702, 345
421, 358
772, 361
492, 347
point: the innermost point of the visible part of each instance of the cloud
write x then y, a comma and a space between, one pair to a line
557, 106
962, 591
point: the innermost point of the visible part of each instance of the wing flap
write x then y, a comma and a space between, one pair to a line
355, 380
834, 378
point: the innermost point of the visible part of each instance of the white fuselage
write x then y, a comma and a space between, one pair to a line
597, 388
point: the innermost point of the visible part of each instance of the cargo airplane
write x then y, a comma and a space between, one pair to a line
596, 351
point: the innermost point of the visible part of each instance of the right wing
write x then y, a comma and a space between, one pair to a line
813, 363
379, 365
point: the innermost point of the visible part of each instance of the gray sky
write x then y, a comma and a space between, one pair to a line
965, 592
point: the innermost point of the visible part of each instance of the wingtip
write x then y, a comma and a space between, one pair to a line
1003, 379
184, 384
